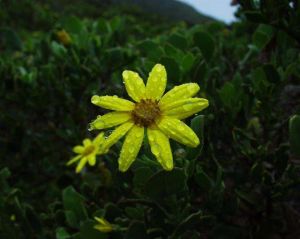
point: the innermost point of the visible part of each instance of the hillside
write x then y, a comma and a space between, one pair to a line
170, 9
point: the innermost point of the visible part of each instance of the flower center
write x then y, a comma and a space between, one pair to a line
145, 112
89, 149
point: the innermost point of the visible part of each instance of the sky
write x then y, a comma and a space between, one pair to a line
219, 9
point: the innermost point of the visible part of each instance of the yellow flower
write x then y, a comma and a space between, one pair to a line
103, 226
160, 114
87, 152
63, 37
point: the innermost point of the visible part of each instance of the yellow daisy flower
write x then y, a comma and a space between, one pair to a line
160, 114
87, 152
103, 226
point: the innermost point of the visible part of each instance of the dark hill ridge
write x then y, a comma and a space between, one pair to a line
170, 9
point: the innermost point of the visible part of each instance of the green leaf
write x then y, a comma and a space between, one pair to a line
294, 135
74, 206
203, 180
58, 49
87, 231
206, 44
10, 40
141, 175
174, 74
197, 124
188, 62
262, 36
73, 25
137, 230
178, 41
61, 233
271, 73
165, 183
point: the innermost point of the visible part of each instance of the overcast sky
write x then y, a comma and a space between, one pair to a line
219, 9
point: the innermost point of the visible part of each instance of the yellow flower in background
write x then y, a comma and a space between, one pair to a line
103, 226
160, 114
87, 152
63, 37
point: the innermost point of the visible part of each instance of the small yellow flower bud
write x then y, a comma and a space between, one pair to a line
64, 37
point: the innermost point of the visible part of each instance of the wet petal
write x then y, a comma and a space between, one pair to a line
86, 142
78, 149
180, 92
179, 131
160, 147
99, 139
116, 135
181, 109
134, 84
131, 147
109, 120
112, 103
81, 164
157, 82
74, 159
92, 160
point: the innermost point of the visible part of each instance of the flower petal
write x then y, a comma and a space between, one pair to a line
115, 136
131, 147
99, 139
157, 82
134, 84
112, 103
78, 149
81, 164
180, 92
160, 147
74, 159
109, 120
179, 131
92, 160
86, 142
181, 109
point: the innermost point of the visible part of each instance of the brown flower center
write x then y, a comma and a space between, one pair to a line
145, 112
89, 149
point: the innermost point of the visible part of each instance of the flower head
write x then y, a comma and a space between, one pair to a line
87, 152
63, 37
103, 226
160, 114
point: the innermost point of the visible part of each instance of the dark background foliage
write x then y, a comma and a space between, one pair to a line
243, 182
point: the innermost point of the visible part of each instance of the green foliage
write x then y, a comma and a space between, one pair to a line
241, 182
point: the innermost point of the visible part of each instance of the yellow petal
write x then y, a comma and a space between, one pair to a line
92, 160
180, 92
73, 160
99, 139
116, 135
160, 147
134, 84
112, 103
101, 221
109, 120
157, 82
181, 109
179, 131
81, 164
131, 147
78, 149
86, 142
